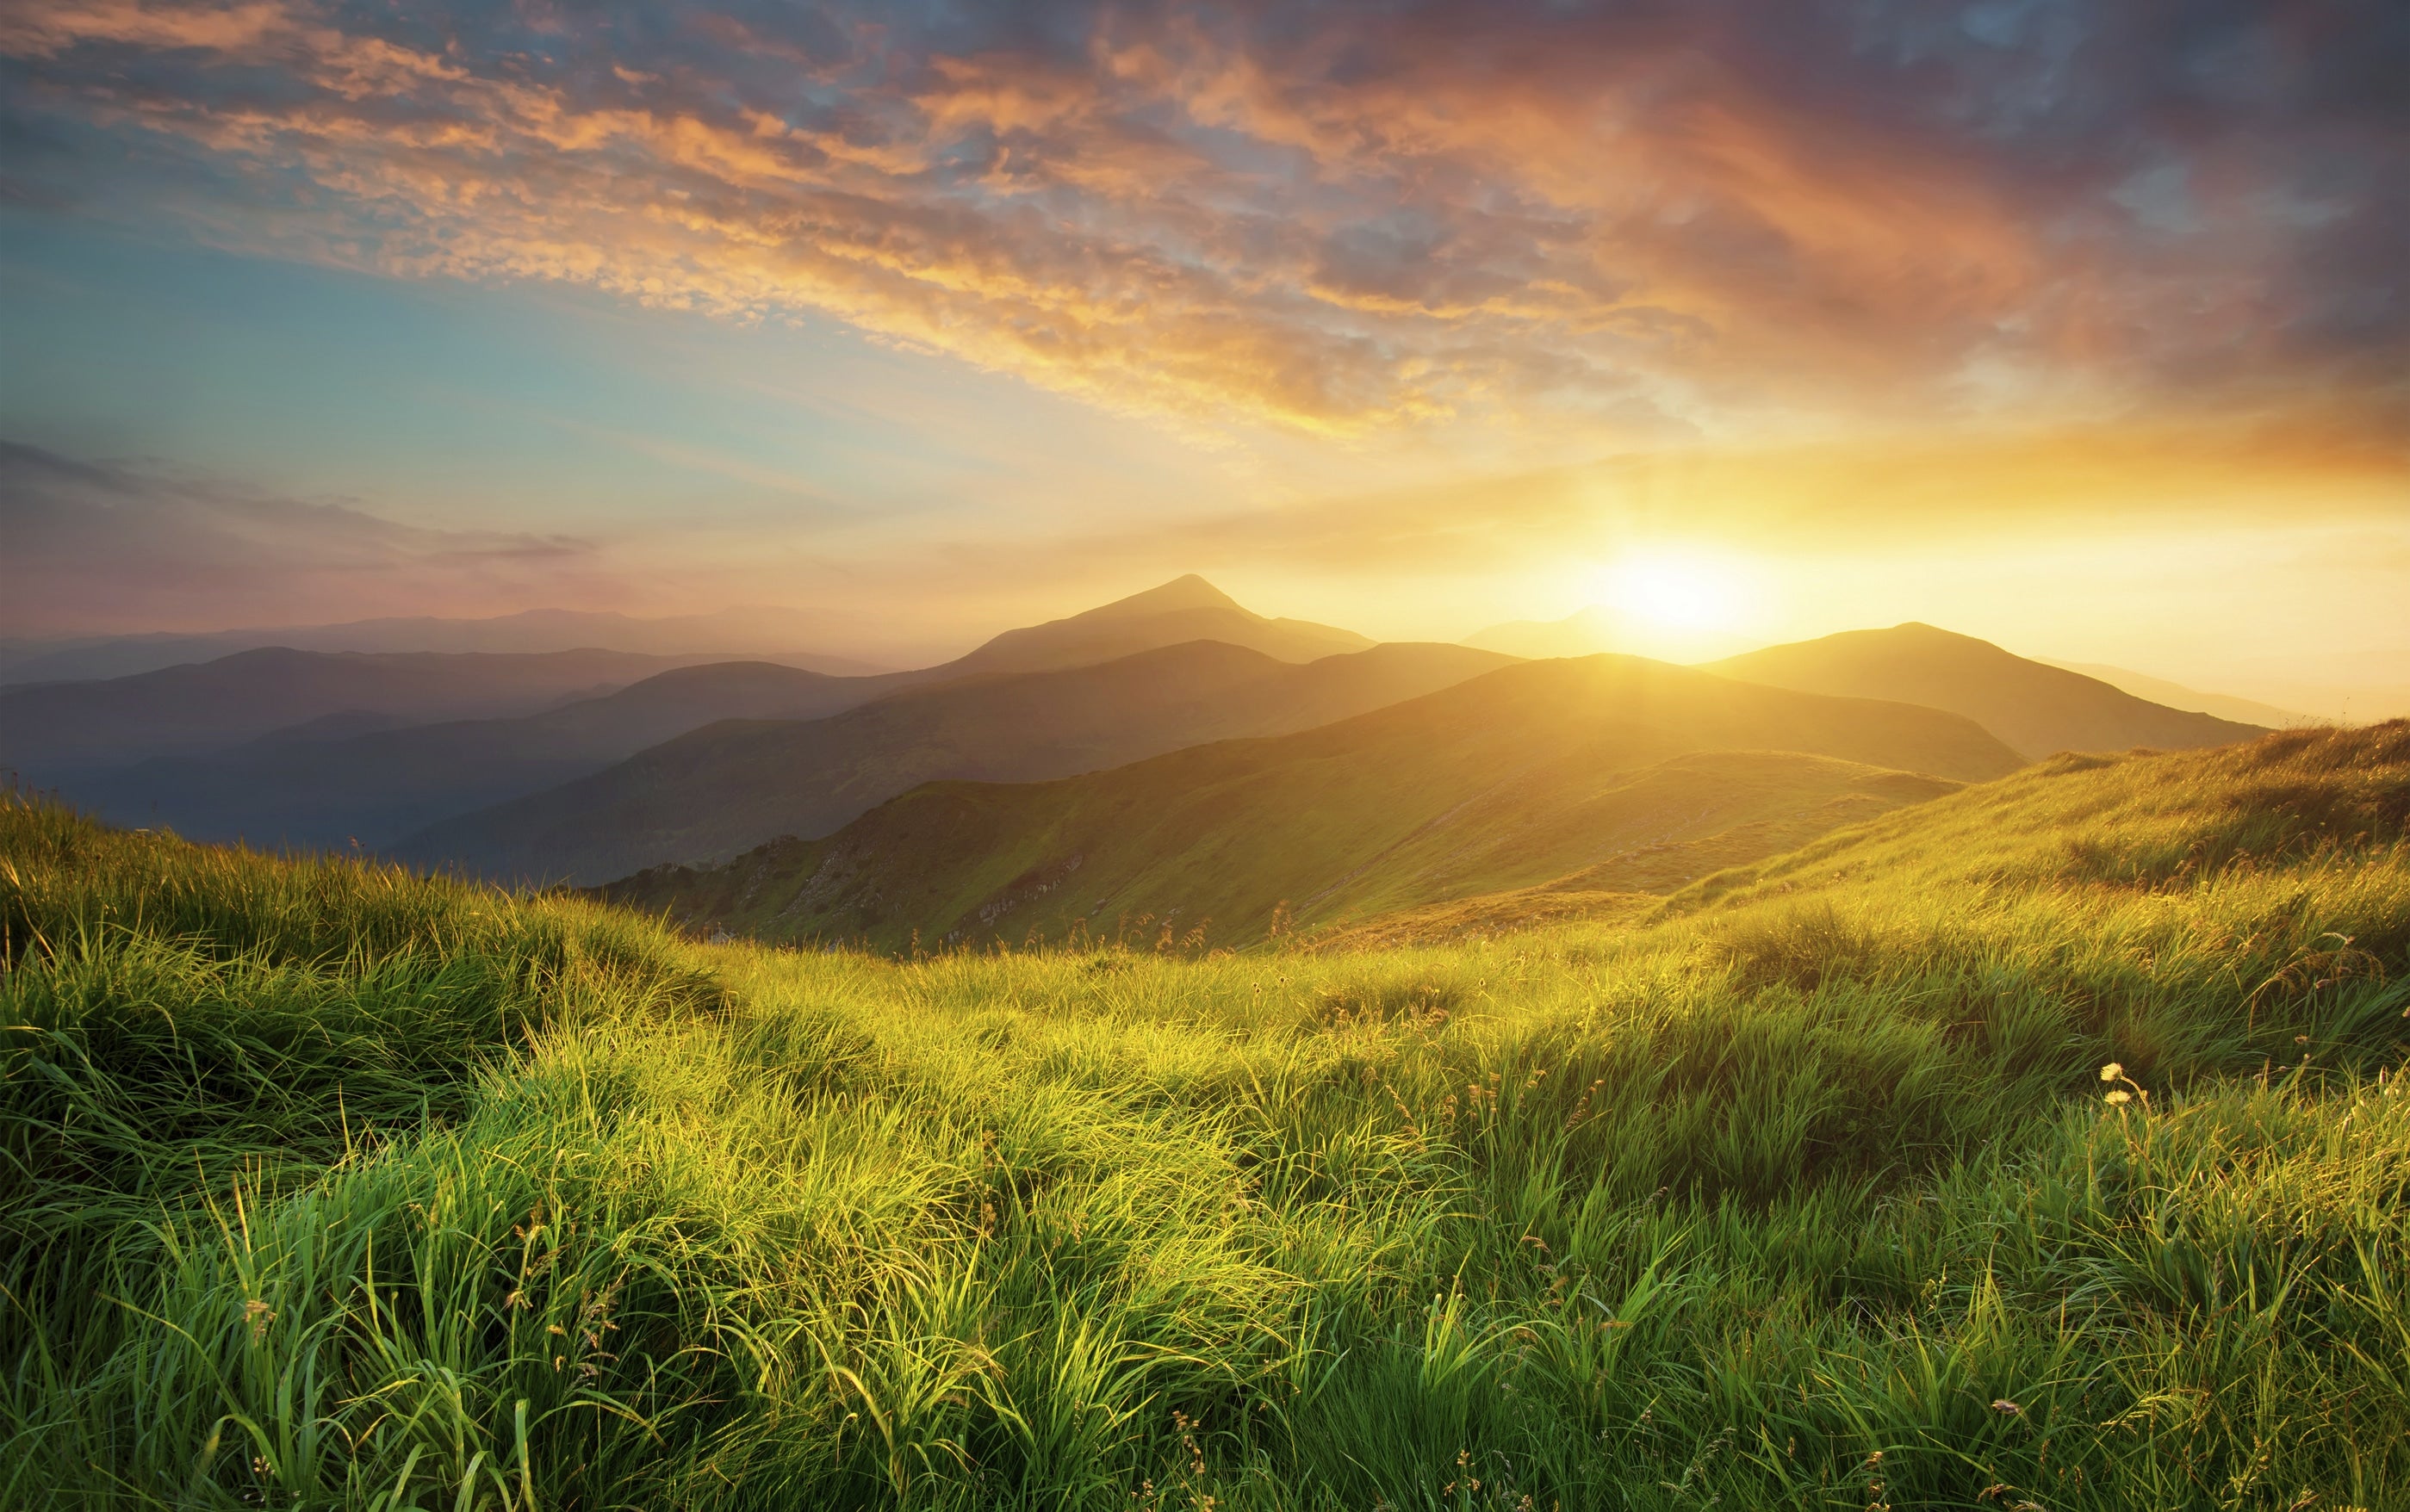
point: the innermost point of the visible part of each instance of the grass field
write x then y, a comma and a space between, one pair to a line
2039, 1147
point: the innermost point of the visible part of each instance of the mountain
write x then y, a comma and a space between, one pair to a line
2037, 708
54, 731
322, 784
1183, 609
720, 636
1583, 634
379, 774
1534, 771
721, 788
2177, 695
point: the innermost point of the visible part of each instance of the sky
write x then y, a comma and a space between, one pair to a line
2079, 326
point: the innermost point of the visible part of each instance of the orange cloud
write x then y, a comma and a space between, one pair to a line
1646, 227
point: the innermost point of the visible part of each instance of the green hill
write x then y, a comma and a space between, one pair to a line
720, 789
2038, 709
2039, 1145
1522, 775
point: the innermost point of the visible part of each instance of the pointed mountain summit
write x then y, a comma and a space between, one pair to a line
1181, 593
2035, 708
1185, 608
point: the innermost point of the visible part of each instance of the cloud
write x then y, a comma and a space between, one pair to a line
96, 546
1735, 219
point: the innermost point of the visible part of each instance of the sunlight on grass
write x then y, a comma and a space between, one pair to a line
330, 1185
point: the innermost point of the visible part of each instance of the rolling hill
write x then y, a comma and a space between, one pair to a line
1538, 770
2042, 1145
718, 790
54, 730
2036, 708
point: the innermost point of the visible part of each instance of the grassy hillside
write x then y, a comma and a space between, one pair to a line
2039, 1147
720, 789
1515, 778
2038, 709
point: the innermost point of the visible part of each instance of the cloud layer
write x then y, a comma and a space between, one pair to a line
1644, 220
107, 547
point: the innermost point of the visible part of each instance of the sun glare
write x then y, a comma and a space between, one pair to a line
1673, 590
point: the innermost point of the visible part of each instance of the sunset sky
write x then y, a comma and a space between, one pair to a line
2082, 327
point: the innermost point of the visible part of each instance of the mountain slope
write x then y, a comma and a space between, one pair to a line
1526, 774
60, 728
2176, 696
720, 789
300, 788
2036, 708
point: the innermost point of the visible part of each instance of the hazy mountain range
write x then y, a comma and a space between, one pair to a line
732, 784
1185, 755
1530, 772
322, 749
774, 633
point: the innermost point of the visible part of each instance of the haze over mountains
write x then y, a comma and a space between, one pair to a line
590, 765
50, 730
1526, 773
1585, 633
733, 784
732, 633
2037, 708
219, 751
2176, 696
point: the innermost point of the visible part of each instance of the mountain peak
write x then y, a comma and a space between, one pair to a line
1187, 592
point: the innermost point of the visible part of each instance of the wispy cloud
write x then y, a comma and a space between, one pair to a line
96, 546
1729, 219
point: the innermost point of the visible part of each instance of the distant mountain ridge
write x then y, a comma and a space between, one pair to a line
2176, 696
380, 772
2036, 708
726, 786
51, 730
1584, 633
727, 634
1529, 772
318, 785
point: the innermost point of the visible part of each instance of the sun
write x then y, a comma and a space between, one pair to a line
1672, 590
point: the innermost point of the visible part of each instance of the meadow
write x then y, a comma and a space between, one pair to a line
2041, 1146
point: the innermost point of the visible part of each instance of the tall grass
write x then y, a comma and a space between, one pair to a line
334, 1187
